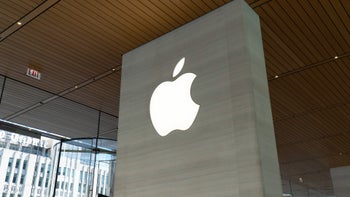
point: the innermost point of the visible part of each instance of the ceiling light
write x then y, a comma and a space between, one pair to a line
19, 23
340, 153
301, 180
113, 69
284, 194
75, 86
336, 57
276, 76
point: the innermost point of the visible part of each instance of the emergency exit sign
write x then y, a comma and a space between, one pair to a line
33, 73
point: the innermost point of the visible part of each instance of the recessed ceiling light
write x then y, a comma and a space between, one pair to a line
301, 180
340, 153
113, 69
336, 57
276, 76
19, 23
75, 86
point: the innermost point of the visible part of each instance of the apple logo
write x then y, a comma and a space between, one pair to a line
171, 105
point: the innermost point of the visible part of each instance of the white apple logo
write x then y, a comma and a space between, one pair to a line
171, 106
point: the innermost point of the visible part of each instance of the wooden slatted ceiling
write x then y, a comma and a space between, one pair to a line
310, 107
313, 89
75, 41
303, 29
11, 11
106, 94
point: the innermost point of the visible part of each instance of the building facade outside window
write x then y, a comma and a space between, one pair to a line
27, 169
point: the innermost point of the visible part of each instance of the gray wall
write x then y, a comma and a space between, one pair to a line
341, 181
230, 148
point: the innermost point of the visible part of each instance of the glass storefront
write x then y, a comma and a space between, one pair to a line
85, 168
25, 165
42, 167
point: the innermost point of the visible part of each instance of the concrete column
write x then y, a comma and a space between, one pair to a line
230, 148
341, 181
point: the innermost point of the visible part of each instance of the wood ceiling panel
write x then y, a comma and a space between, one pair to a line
103, 93
60, 112
174, 14
117, 16
342, 9
304, 27
11, 11
301, 168
272, 19
312, 89
154, 14
294, 93
157, 23
85, 16
291, 27
325, 26
312, 126
211, 4
328, 15
341, 73
276, 60
193, 13
257, 3
128, 14
202, 6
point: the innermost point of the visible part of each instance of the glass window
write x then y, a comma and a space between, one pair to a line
35, 172
47, 182
85, 177
7, 176
14, 179
34, 150
14, 146
81, 176
25, 163
26, 149
17, 163
40, 182
22, 179
47, 153
2, 144
40, 151
48, 169
42, 167
10, 162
